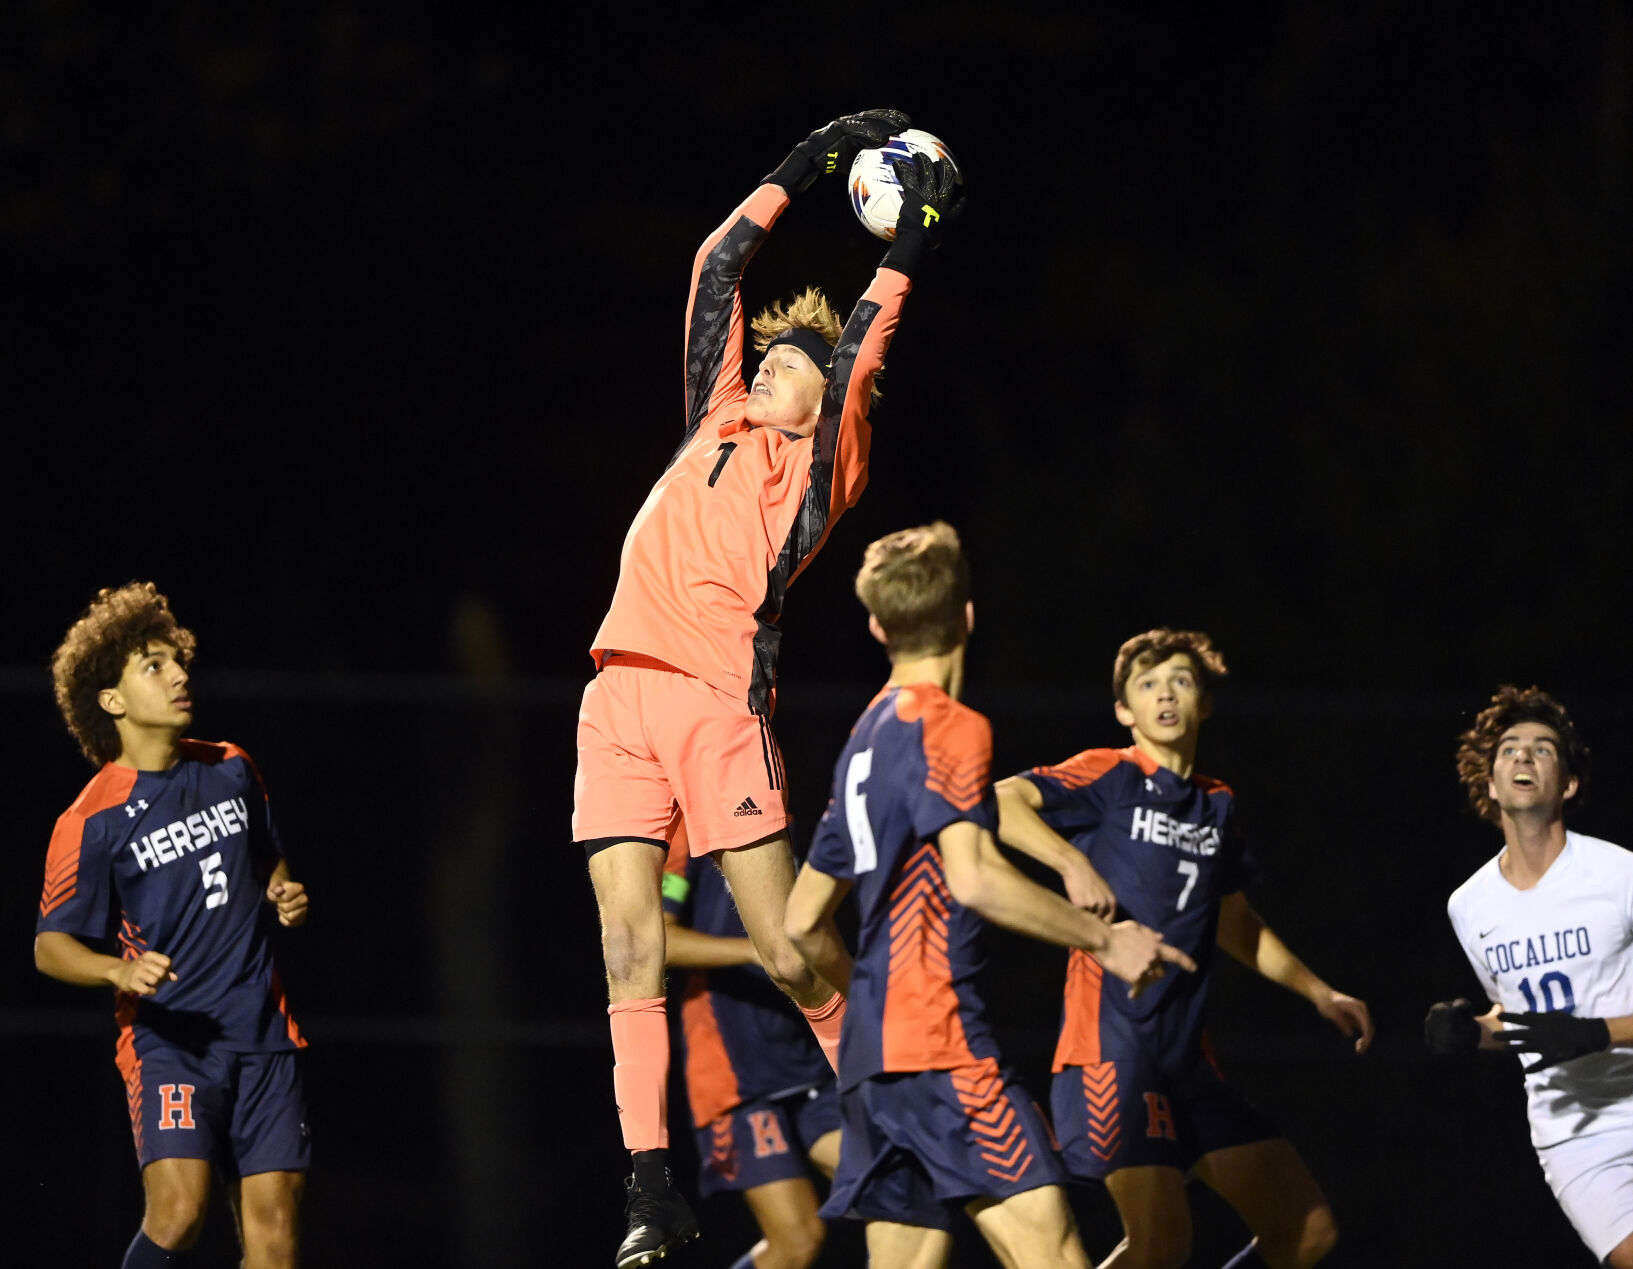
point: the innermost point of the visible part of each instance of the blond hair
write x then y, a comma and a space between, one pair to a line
916, 583
809, 309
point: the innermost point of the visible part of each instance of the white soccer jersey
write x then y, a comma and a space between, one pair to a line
1566, 943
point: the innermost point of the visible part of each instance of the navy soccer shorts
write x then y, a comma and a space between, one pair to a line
764, 1141
1128, 1114
916, 1146
245, 1112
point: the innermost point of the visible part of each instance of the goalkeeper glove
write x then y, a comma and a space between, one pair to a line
834, 146
1451, 1027
1553, 1037
932, 199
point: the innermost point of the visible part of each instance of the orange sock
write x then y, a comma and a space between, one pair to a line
826, 1022
640, 1071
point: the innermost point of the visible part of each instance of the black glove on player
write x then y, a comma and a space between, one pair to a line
1553, 1037
932, 199
835, 145
1451, 1027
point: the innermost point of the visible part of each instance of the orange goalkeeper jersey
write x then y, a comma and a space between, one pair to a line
740, 510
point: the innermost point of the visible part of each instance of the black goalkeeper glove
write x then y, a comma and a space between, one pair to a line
1553, 1037
1451, 1027
832, 147
932, 199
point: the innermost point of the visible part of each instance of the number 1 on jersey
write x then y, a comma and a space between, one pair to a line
1190, 870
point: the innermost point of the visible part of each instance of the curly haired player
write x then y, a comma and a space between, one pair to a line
1547, 923
170, 854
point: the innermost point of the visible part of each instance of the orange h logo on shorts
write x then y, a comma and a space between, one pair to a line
1159, 1117
175, 1102
768, 1138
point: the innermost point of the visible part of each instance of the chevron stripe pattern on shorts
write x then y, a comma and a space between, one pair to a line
999, 1135
1105, 1130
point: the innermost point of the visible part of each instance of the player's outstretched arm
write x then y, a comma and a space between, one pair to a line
1243, 934
1021, 826
808, 921
983, 880
686, 948
65, 958
833, 146
287, 895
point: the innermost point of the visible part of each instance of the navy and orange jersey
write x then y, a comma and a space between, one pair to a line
740, 510
743, 1038
177, 862
1170, 849
916, 762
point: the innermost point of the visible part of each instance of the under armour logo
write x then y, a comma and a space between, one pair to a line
130, 811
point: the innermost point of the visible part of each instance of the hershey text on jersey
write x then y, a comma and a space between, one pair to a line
167, 844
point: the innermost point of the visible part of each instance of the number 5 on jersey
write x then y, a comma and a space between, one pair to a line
215, 881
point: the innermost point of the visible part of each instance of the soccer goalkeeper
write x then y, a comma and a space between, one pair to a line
677, 721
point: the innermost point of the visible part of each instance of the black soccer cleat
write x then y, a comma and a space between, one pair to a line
658, 1222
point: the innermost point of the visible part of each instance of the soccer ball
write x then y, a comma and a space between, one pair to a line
876, 194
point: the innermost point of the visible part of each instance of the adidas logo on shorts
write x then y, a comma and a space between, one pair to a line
747, 807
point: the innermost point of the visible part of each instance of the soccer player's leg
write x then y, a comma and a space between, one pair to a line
176, 1194
896, 1246
824, 1153
786, 1212
1033, 1228
1119, 1124
627, 878
268, 1206
1242, 1156
624, 816
1621, 1255
1272, 1190
760, 876
271, 1150
1156, 1218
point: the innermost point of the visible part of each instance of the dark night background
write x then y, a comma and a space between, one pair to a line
358, 328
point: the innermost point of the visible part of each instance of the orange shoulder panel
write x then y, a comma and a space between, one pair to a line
1084, 768
1210, 785
210, 752
108, 787
957, 744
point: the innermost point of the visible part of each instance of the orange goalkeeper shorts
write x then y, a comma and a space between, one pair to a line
656, 744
